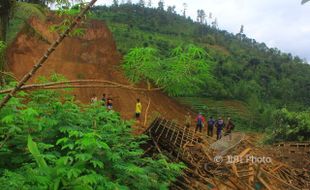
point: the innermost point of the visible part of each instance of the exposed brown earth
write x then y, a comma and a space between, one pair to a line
91, 56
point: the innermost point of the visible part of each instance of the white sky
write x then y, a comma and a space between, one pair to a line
284, 24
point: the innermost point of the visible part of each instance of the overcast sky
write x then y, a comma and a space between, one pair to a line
284, 24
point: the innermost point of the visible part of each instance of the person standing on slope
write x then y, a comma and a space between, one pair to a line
110, 103
229, 127
188, 120
104, 100
138, 109
211, 123
199, 122
220, 126
94, 99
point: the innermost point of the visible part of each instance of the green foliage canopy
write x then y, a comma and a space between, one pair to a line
290, 126
184, 72
52, 142
242, 68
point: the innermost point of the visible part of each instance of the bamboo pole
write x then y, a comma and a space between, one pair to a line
71, 84
48, 52
8, 74
147, 110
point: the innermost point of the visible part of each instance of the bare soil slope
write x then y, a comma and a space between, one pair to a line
91, 56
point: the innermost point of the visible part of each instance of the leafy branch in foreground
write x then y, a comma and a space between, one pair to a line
50, 142
184, 72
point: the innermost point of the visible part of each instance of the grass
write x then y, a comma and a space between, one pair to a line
237, 110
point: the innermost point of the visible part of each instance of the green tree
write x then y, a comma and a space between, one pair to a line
149, 3
115, 3
2, 61
289, 126
161, 5
184, 72
171, 9
5, 10
184, 9
141, 3
201, 16
52, 142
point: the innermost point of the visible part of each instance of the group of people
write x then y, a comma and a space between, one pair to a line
106, 101
219, 124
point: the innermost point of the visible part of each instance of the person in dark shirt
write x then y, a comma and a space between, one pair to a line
110, 103
219, 128
200, 120
211, 123
229, 128
104, 99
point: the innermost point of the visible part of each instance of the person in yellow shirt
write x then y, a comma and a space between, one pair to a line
138, 109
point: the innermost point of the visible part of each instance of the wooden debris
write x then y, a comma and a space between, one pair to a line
203, 172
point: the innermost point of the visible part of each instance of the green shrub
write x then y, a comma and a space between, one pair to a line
290, 126
49, 141
184, 72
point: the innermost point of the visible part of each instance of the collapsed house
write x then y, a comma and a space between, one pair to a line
224, 164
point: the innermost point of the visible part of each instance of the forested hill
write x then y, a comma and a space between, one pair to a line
243, 68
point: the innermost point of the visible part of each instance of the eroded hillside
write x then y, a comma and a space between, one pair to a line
90, 56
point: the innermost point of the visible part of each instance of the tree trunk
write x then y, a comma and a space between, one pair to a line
5, 6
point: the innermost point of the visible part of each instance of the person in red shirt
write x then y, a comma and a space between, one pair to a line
200, 120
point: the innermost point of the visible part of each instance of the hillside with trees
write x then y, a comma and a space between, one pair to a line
243, 67
57, 132
240, 68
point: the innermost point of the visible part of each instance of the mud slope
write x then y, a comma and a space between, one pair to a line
91, 56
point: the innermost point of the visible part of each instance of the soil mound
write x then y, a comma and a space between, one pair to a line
91, 56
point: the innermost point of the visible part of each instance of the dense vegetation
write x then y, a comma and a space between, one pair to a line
52, 142
242, 69
49, 140
182, 73
290, 126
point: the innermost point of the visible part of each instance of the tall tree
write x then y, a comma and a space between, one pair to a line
149, 3
141, 3
184, 9
129, 2
5, 8
115, 3
241, 29
201, 16
214, 23
161, 5
186, 68
171, 9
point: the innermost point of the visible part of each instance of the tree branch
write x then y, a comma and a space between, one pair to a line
42, 60
71, 84
8, 74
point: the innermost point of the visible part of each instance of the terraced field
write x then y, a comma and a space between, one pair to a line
237, 110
